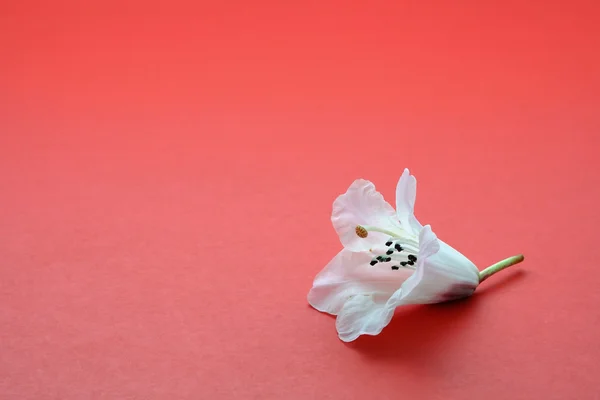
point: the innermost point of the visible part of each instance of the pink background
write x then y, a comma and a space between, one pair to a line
166, 180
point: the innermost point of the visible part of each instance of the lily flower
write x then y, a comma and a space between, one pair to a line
389, 259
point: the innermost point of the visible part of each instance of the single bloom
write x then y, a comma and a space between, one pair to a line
389, 259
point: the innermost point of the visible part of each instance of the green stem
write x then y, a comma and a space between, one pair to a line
499, 266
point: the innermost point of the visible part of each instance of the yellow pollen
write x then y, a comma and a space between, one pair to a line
361, 232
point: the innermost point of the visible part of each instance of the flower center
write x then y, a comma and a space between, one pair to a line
401, 249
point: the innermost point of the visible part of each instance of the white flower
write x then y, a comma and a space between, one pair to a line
389, 259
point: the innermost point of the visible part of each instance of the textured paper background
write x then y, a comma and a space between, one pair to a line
167, 174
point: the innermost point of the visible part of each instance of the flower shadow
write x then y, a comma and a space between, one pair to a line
418, 335
500, 282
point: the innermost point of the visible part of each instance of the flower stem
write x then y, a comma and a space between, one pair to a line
499, 266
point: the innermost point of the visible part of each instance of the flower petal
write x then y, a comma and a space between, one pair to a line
406, 193
362, 315
442, 274
349, 274
453, 272
361, 205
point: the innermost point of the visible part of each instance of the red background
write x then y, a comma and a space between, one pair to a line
166, 180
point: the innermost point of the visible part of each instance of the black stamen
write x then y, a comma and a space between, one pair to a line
403, 263
388, 243
390, 251
373, 262
412, 258
388, 259
398, 247
379, 258
395, 267
411, 263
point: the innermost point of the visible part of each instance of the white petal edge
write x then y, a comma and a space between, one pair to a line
362, 204
406, 193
